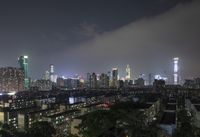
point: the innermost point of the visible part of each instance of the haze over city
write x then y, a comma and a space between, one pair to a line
97, 36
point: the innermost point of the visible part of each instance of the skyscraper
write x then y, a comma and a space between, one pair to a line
52, 73
114, 77
88, 80
128, 72
93, 81
150, 78
23, 62
104, 81
176, 70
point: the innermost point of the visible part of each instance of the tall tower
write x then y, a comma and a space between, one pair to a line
93, 81
88, 80
128, 72
23, 62
176, 70
115, 77
52, 72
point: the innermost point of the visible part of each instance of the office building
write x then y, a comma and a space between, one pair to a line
150, 79
115, 77
60, 82
93, 80
139, 82
104, 81
11, 79
128, 72
23, 62
88, 83
192, 83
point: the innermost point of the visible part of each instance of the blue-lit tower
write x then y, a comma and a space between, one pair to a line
23, 62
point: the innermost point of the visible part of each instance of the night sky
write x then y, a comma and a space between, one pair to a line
80, 36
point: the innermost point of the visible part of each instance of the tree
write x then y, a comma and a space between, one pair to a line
96, 123
41, 129
123, 119
185, 125
6, 130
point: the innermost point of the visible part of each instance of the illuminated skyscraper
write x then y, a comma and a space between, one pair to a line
128, 72
52, 73
23, 62
115, 77
176, 70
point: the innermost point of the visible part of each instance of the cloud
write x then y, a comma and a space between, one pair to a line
148, 45
87, 30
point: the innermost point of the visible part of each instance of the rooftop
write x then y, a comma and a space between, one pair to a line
92, 105
63, 113
168, 118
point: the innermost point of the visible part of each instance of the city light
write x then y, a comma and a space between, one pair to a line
112, 68
176, 70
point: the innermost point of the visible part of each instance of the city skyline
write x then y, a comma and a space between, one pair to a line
125, 73
144, 38
99, 68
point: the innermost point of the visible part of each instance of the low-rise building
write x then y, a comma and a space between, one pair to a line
62, 120
27, 118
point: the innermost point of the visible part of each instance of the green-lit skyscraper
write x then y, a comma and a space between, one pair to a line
23, 62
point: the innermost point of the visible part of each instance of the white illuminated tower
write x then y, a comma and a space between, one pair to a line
128, 72
52, 72
176, 70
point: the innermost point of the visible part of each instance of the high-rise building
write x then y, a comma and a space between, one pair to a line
115, 77
110, 78
11, 79
88, 80
176, 70
150, 79
52, 73
46, 75
71, 83
128, 72
93, 80
140, 82
68, 83
60, 82
23, 62
104, 81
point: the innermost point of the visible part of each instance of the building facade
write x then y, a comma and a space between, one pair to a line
11, 79
115, 77
23, 62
